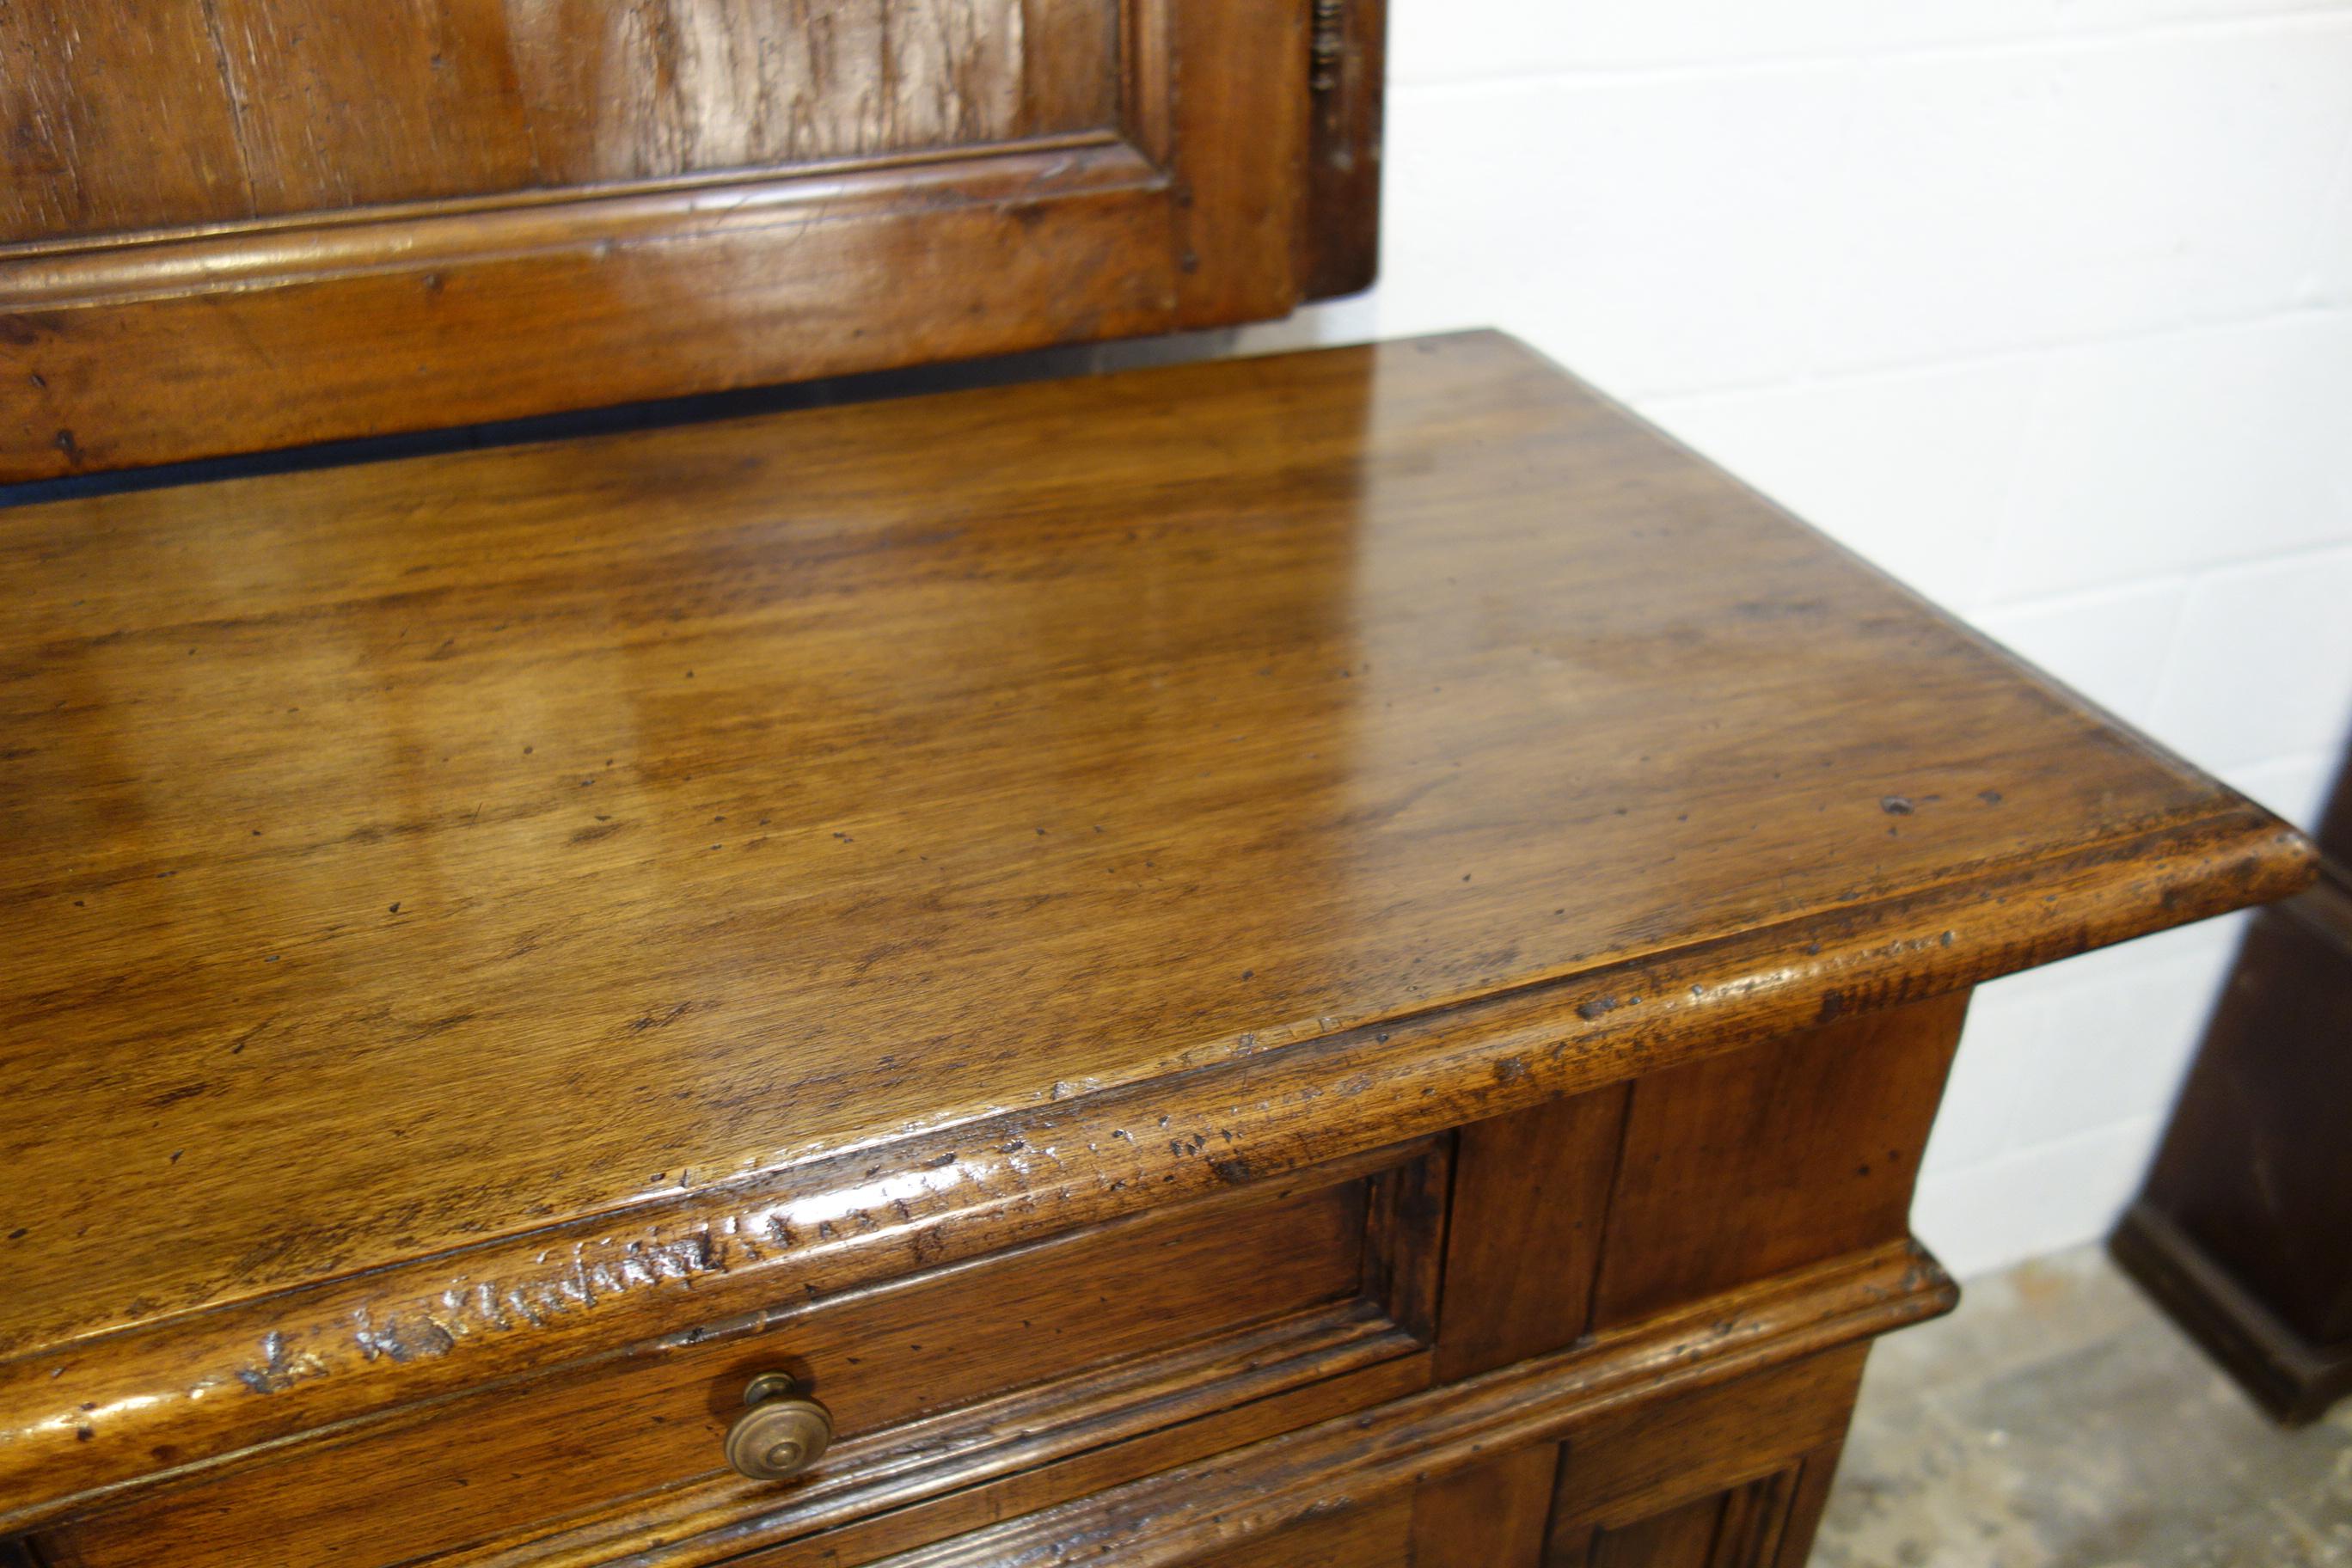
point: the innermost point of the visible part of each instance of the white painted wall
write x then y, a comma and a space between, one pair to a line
2044, 305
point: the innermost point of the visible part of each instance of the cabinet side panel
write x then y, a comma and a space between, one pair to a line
1771, 1158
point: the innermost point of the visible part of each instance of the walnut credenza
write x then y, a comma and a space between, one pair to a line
1342, 958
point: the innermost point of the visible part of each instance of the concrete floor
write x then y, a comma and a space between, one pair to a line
2057, 1421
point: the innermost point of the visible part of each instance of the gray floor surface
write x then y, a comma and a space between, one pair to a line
2056, 1420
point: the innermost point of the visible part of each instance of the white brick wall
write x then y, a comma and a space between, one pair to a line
2045, 305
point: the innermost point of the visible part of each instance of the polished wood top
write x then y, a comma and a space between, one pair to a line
705, 860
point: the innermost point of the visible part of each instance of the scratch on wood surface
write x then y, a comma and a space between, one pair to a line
233, 96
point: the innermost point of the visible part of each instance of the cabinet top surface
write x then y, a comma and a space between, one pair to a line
403, 856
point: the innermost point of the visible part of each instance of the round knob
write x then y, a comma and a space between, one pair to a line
780, 1434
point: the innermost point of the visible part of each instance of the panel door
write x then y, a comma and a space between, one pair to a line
230, 225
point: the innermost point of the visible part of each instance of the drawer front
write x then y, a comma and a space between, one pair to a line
936, 1384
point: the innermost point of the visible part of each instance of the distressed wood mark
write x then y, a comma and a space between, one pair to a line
1328, 45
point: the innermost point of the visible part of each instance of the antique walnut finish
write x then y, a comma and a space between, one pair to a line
231, 224
575, 922
1335, 960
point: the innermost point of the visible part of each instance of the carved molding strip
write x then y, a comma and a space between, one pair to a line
268, 255
1189, 1513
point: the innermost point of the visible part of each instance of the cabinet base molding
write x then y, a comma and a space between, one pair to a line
1185, 1514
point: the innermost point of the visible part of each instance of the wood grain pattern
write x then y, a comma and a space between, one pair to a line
1241, 100
1732, 1477
1809, 1497
1408, 1209
1681, 1537
461, 910
1751, 1531
1522, 1284
68, 163
1637, 1464
1487, 1516
1378, 1536
1773, 1157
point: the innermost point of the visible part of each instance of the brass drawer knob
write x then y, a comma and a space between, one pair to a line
781, 1432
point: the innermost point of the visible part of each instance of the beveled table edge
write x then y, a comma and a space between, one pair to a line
87, 1418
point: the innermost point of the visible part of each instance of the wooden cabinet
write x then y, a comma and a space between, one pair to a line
1333, 960
1226, 963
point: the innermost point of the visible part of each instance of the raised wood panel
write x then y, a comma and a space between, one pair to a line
277, 107
337, 220
499, 314
1681, 1537
77, 161
337, 104
1774, 1157
1768, 1523
1733, 1477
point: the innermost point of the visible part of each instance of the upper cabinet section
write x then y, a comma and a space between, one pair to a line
233, 225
